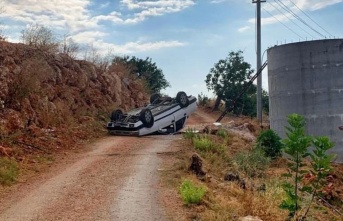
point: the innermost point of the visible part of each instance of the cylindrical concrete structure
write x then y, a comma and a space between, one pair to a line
307, 78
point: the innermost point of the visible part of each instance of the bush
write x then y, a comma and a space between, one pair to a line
204, 144
8, 171
203, 99
190, 193
40, 37
270, 143
189, 134
222, 133
252, 163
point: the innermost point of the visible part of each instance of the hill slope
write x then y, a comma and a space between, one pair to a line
42, 92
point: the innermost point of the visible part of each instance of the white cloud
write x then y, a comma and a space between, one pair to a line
323, 4
132, 47
217, 1
95, 39
147, 9
75, 17
304, 5
88, 37
243, 29
71, 14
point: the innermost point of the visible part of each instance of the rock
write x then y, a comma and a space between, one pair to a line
250, 218
196, 165
231, 177
50, 89
211, 129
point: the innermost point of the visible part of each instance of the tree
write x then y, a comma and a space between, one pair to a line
146, 70
227, 79
69, 46
40, 37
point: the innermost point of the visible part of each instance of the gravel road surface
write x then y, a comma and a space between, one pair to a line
116, 180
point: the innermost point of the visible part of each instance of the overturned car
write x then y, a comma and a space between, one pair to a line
162, 115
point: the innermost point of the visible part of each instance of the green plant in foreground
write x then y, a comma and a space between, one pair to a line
320, 167
8, 171
296, 146
190, 193
270, 143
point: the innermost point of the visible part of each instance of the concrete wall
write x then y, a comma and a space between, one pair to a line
307, 78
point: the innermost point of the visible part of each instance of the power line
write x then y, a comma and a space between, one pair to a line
281, 4
311, 18
283, 23
290, 19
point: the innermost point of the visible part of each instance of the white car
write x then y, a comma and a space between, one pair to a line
162, 115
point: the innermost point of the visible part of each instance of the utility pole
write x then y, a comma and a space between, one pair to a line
258, 60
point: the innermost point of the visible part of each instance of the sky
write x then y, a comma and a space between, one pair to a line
185, 38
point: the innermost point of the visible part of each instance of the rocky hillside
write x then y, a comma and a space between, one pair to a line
48, 91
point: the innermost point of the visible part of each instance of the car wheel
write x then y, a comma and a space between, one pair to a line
147, 118
154, 98
182, 99
116, 114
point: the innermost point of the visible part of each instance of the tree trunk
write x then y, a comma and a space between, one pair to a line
217, 103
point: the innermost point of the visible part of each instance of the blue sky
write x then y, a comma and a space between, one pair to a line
184, 37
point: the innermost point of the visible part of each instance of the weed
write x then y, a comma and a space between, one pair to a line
270, 143
190, 193
222, 133
202, 144
205, 144
252, 164
189, 134
8, 171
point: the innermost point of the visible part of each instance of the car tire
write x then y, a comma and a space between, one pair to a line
147, 118
154, 98
182, 99
116, 114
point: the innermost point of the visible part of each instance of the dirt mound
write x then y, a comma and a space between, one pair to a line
50, 100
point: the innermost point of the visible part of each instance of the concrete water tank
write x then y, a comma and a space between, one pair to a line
307, 78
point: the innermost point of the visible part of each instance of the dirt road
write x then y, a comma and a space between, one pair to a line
116, 180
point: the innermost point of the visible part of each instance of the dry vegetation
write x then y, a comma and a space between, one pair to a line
50, 103
239, 188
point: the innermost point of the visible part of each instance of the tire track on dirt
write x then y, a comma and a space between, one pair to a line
117, 179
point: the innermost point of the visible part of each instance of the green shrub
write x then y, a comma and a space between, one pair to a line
270, 143
204, 144
297, 147
222, 133
189, 134
190, 193
8, 171
252, 163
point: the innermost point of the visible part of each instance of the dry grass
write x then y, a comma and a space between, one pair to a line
228, 200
